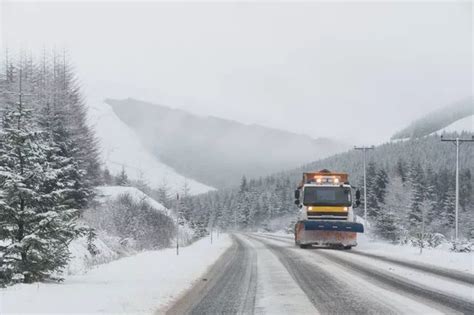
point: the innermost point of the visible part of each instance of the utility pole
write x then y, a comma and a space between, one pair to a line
177, 224
457, 141
365, 149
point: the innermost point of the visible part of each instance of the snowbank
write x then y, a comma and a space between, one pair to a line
121, 147
441, 257
139, 284
438, 257
112, 247
82, 260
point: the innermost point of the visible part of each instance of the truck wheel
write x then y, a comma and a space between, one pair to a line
305, 246
347, 247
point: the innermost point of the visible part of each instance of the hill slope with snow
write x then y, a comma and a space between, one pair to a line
121, 147
465, 124
451, 118
218, 151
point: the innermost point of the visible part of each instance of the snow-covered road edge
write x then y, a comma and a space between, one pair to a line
142, 283
432, 257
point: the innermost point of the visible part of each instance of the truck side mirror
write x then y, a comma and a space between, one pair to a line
297, 194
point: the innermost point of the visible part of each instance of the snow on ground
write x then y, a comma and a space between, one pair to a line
121, 147
138, 284
106, 193
354, 283
427, 280
438, 257
277, 292
82, 260
464, 124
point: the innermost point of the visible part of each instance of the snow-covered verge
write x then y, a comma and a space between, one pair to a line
108, 245
440, 256
121, 147
142, 283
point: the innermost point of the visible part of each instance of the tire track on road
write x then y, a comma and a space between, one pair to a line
401, 285
327, 293
438, 271
229, 287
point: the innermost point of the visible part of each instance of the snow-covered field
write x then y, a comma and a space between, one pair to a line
138, 284
121, 147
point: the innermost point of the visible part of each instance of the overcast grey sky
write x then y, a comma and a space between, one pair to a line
352, 71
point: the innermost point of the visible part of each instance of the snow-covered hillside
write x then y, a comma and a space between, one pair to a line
111, 246
106, 194
455, 117
461, 125
120, 147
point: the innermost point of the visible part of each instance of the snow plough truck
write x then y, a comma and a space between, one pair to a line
326, 214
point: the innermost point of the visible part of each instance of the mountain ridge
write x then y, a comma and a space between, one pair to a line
437, 120
206, 147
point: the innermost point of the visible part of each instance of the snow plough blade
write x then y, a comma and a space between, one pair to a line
334, 226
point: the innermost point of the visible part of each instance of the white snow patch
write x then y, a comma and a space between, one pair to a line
105, 193
440, 257
436, 257
465, 124
121, 147
138, 284
82, 260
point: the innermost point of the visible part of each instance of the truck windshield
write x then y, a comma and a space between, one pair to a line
327, 196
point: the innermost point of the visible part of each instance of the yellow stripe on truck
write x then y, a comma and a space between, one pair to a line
317, 209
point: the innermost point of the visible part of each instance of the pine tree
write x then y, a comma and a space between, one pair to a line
373, 207
381, 181
122, 178
36, 222
417, 185
387, 226
163, 196
107, 177
400, 170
